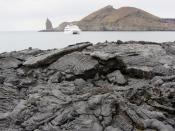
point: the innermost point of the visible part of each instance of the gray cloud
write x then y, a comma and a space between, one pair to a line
31, 14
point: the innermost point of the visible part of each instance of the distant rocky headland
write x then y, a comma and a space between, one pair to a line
110, 86
122, 19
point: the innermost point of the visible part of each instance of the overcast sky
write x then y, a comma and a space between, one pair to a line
31, 14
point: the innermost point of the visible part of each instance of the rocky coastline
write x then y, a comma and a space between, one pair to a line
109, 86
121, 19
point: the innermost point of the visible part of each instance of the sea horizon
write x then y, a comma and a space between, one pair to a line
19, 40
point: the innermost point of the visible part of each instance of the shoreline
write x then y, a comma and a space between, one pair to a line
113, 31
124, 42
105, 86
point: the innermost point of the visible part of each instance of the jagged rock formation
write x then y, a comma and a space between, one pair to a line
111, 86
49, 26
122, 19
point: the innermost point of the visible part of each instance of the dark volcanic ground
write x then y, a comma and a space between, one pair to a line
111, 86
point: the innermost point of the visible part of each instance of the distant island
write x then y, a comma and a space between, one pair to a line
122, 19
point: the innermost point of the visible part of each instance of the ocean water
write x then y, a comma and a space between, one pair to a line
11, 41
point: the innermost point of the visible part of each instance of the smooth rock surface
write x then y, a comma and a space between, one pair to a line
116, 77
53, 56
9, 62
76, 64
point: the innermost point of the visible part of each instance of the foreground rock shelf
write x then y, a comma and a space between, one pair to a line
110, 86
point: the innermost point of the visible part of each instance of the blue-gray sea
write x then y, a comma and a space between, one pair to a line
10, 41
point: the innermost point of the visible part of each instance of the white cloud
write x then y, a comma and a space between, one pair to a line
31, 14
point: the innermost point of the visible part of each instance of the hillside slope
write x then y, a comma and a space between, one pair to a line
125, 18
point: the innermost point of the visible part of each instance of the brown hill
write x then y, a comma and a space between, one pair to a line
125, 18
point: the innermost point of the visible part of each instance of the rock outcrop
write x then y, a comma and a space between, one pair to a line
54, 55
122, 19
110, 86
49, 25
